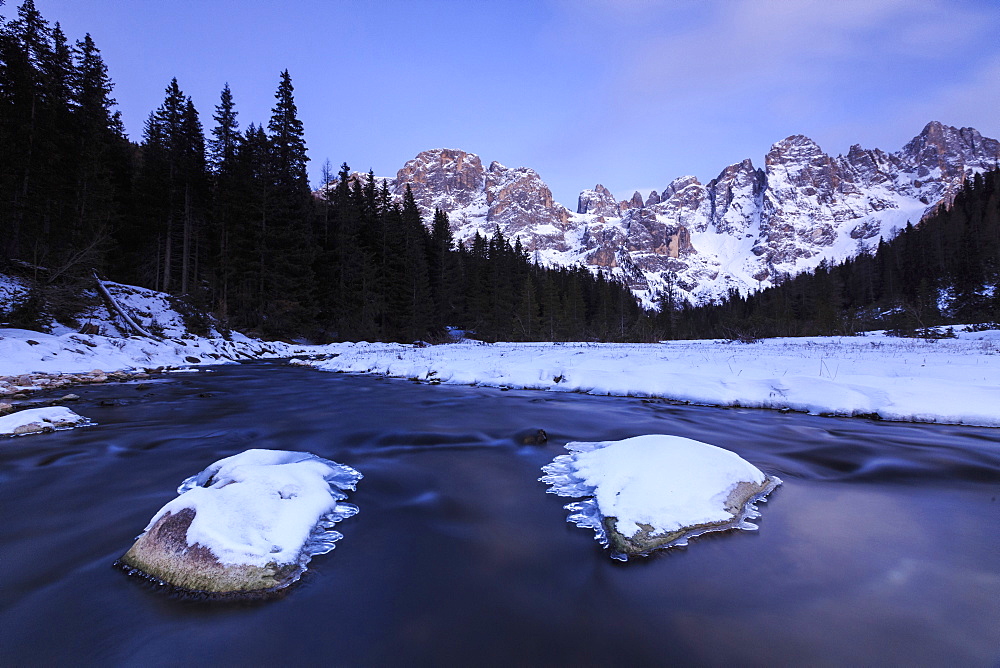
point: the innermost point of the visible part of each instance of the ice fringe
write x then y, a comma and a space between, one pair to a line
656, 491
338, 477
247, 524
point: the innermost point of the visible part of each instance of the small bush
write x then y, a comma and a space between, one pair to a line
196, 321
28, 311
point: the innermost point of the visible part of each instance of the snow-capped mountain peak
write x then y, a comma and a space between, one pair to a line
742, 230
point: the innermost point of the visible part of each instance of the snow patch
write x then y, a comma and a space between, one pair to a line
25, 351
39, 420
659, 484
954, 381
264, 506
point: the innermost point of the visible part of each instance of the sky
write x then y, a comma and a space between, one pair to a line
627, 93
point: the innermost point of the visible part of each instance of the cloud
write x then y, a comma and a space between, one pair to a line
808, 43
692, 85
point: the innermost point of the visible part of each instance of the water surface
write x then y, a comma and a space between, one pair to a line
881, 547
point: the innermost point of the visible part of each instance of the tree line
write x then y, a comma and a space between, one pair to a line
384, 275
226, 219
227, 222
944, 270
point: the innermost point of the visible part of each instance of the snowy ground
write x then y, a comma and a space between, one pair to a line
65, 350
948, 380
25, 352
953, 381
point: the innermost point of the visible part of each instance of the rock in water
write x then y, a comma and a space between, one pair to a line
40, 421
247, 525
656, 491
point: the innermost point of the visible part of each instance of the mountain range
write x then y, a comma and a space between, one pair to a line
744, 230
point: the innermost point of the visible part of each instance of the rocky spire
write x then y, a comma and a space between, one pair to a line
599, 201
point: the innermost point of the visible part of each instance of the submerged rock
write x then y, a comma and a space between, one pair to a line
246, 525
656, 491
40, 421
532, 437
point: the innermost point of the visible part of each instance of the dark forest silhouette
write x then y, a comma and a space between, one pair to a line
227, 222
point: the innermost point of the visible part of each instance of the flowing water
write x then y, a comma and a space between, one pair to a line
881, 547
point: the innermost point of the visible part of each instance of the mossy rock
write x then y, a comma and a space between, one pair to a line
163, 554
739, 504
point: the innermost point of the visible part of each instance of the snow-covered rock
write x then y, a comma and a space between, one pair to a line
656, 491
480, 200
247, 524
40, 421
599, 201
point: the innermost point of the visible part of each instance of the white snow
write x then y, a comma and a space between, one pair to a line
53, 417
954, 381
24, 351
11, 289
668, 482
266, 505
664, 483
66, 351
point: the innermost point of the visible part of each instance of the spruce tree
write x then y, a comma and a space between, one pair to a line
173, 186
287, 279
26, 48
442, 269
100, 169
227, 195
414, 301
196, 182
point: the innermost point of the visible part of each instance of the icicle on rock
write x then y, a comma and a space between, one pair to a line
656, 491
247, 525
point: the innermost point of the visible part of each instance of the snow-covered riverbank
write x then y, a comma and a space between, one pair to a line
27, 355
25, 352
953, 381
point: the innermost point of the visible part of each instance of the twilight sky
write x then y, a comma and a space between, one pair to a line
628, 93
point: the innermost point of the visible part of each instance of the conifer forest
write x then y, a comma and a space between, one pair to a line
225, 220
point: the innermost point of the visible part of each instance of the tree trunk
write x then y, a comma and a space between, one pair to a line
130, 323
186, 240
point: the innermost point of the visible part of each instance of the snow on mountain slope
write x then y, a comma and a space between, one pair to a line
743, 230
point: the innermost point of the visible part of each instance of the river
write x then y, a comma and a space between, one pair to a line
881, 547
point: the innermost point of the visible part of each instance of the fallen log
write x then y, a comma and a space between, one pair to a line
128, 320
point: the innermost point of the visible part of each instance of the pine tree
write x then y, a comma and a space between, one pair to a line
227, 194
246, 237
226, 138
173, 184
195, 180
414, 299
26, 46
287, 279
441, 265
100, 166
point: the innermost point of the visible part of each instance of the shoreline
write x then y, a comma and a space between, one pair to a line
956, 382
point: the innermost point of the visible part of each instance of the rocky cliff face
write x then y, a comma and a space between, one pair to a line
443, 178
742, 230
480, 200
